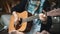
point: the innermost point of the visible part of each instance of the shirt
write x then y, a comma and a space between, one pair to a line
35, 7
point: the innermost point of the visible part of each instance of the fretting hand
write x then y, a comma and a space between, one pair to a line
43, 17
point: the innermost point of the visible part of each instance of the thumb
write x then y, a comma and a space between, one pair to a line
44, 12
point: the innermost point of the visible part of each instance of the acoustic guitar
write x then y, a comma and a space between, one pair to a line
22, 25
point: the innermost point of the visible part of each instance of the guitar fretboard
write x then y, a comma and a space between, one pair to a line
30, 18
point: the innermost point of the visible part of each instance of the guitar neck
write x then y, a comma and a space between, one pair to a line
31, 18
50, 13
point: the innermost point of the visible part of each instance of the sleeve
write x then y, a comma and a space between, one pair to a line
20, 6
46, 6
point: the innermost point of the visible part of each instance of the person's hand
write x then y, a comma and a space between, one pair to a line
42, 17
15, 16
43, 32
15, 32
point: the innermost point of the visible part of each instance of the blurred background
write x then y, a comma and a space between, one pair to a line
5, 10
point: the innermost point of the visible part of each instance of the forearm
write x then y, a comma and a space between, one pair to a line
55, 12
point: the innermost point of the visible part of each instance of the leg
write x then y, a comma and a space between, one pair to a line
35, 28
43, 32
5, 20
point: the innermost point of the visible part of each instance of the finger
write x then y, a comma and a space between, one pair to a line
42, 15
44, 11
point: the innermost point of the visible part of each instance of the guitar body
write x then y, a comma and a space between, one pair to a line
25, 27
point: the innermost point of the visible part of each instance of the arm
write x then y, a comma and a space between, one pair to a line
55, 12
19, 8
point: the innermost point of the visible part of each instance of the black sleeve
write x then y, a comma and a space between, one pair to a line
47, 26
20, 6
46, 6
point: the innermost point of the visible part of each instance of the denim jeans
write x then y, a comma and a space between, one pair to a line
35, 28
5, 20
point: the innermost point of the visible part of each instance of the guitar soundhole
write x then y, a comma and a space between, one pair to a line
18, 24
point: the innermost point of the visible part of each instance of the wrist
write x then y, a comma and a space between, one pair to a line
44, 22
